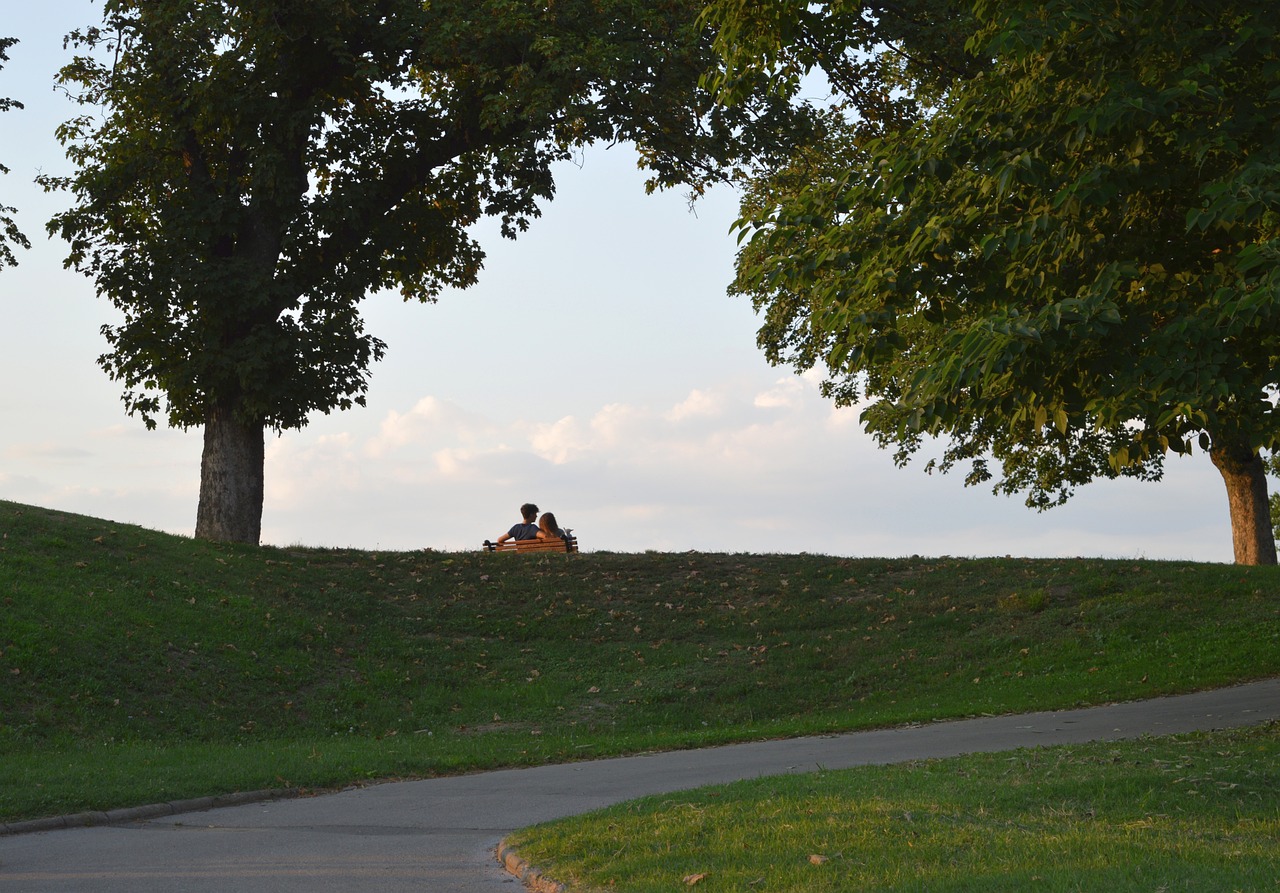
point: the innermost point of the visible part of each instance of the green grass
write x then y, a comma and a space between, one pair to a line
1197, 812
141, 667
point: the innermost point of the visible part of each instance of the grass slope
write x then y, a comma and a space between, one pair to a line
139, 666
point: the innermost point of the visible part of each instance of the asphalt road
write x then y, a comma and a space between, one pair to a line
441, 834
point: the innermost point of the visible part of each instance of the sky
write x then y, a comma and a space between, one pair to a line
598, 369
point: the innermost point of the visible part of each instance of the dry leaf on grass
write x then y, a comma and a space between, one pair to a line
692, 879
815, 859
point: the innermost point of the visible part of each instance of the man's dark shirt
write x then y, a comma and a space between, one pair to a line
524, 532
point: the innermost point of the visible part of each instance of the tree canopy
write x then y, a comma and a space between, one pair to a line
10, 235
1060, 260
262, 166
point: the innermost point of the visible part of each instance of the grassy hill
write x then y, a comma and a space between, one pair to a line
139, 666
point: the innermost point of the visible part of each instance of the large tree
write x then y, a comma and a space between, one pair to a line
260, 167
1061, 260
10, 235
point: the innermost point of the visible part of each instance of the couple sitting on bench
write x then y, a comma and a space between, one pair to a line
534, 534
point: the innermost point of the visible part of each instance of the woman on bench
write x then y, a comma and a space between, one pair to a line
548, 529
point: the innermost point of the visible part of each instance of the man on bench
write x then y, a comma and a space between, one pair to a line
525, 531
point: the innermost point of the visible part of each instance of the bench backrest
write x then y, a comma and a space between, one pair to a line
569, 544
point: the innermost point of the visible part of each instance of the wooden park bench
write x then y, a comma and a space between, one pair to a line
568, 544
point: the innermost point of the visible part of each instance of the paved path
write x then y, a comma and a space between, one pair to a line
440, 834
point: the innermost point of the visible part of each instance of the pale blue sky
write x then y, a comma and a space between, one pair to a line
598, 369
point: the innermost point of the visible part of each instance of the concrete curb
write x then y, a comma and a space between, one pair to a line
141, 813
526, 873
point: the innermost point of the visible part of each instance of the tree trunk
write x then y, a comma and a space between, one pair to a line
230, 480
1246, 477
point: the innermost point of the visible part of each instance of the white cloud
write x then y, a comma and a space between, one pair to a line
787, 393
699, 404
618, 424
559, 440
431, 420
465, 464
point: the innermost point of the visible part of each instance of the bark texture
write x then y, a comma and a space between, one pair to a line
1245, 475
231, 476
